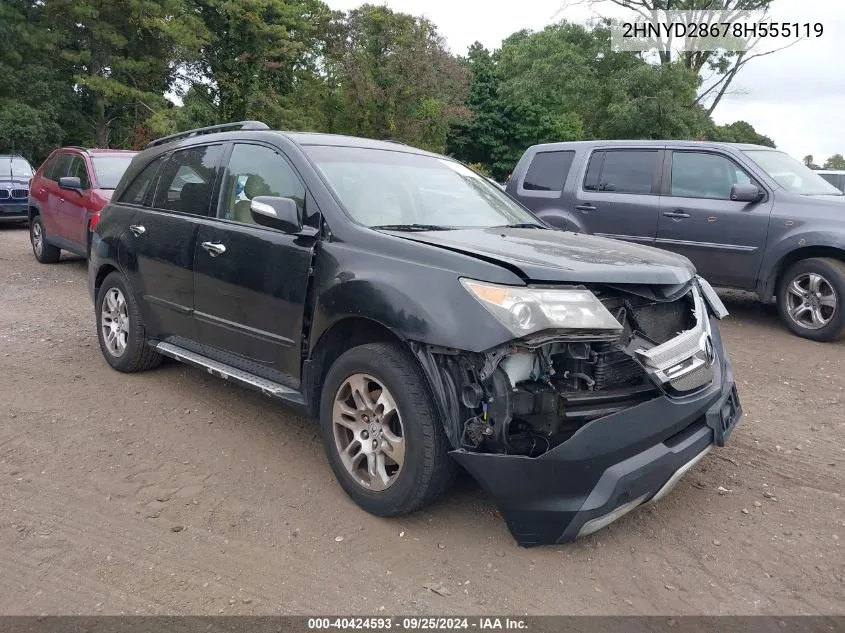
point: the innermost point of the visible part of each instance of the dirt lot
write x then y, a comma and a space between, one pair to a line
175, 492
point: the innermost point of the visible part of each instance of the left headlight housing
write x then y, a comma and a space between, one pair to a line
524, 310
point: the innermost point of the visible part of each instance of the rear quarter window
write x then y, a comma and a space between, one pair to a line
548, 171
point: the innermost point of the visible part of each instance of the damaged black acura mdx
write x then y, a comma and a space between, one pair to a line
426, 318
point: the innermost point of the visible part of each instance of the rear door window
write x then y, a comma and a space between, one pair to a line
548, 171
187, 182
621, 171
143, 186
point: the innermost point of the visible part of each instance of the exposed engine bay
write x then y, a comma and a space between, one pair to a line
533, 394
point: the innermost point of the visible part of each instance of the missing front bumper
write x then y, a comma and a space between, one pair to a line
610, 466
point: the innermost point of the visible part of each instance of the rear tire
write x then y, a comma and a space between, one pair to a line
125, 345
45, 253
391, 380
811, 299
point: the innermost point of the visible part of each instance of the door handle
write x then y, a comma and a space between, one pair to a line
214, 249
137, 229
586, 207
678, 215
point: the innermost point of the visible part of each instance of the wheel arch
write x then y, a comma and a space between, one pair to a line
768, 288
342, 335
104, 271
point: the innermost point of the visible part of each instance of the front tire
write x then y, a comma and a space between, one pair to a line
120, 329
383, 438
811, 299
45, 253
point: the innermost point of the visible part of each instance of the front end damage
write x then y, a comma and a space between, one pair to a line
569, 430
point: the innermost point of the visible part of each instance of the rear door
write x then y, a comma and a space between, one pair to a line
618, 195
250, 281
160, 243
725, 239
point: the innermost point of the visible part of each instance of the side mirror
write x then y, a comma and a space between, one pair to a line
746, 193
71, 183
275, 212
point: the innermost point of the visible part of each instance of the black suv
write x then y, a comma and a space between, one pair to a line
423, 316
747, 216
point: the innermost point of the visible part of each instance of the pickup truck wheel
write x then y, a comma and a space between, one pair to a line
385, 444
45, 253
120, 330
811, 299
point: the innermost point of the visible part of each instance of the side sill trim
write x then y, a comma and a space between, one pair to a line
227, 372
164, 303
263, 335
733, 248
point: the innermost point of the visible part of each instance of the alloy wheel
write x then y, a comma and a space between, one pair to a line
811, 301
114, 322
37, 238
368, 432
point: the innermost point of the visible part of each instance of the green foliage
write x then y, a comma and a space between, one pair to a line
392, 77
100, 72
738, 132
837, 161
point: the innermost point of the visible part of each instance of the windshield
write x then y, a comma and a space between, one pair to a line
15, 168
384, 188
109, 169
792, 175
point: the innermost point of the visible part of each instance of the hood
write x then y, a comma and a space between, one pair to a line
546, 255
105, 194
13, 183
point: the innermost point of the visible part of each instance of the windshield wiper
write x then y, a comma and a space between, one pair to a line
412, 227
520, 225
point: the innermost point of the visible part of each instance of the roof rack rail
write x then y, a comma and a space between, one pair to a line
211, 129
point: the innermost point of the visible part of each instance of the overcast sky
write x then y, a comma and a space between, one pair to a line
795, 96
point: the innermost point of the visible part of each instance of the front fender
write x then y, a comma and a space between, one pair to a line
416, 300
785, 245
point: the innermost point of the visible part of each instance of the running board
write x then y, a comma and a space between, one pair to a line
227, 372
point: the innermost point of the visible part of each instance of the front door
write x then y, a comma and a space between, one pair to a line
724, 239
160, 241
74, 210
250, 281
618, 195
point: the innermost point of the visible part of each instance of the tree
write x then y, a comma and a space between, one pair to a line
36, 96
567, 69
808, 161
256, 52
393, 77
739, 132
837, 161
720, 66
122, 56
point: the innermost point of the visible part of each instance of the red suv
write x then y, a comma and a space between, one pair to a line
66, 196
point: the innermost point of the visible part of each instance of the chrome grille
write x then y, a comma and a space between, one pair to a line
685, 362
20, 193
5, 194
695, 379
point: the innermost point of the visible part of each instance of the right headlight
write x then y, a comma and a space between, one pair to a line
525, 310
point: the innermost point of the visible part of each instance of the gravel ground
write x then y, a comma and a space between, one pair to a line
174, 492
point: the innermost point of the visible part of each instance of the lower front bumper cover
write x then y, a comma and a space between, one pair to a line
611, 465
14, 212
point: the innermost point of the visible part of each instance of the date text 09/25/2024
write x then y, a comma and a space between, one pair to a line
417, 623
